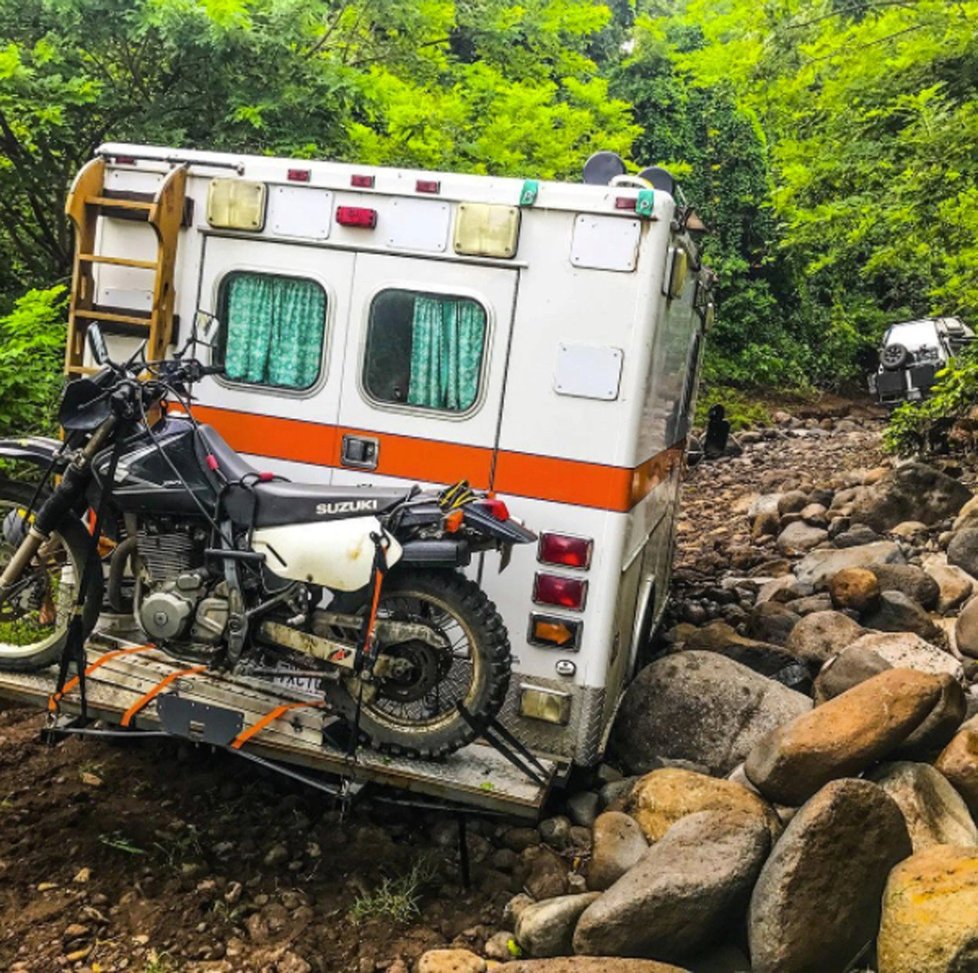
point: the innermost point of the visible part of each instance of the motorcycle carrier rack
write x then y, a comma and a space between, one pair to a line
139, 691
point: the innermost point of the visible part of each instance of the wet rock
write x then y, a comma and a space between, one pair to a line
954, 585
547, 928
771, 622
663, 797
966, 630
940, 725
854, 588
555, 832
816, 568
546, 873
909, 651
588, 964
933, 810
817, 900
618, 843
723, 639
856, 535
929, 910
821, 635
958, 762
681, 893
963, 550
898, 613
799, 537
451, 961
842, 737
913, 491
911, 581
702, 707
853, 666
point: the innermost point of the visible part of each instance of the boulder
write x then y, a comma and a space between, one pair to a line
958, 762
909, 651
967, 515
451, 961
771, 622
817, 567
966, 630
913, 491
618, 843
588, 964
854, 588
963, 550
817, 900
929, 913
821, 635
933, 810
663, 797
702, 707
544, 872
815, 514
954, 585
938, 728
895, 612
909, 529
856, 535
547, 928
679, 896
799, 537
723, 959
843, 737
909, 580
719, 637
842, 672
792, 502
810, 604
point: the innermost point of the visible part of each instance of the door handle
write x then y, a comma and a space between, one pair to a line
360, 452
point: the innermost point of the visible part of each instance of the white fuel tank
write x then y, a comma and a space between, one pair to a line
338, 554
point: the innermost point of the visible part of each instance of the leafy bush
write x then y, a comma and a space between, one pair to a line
32, 340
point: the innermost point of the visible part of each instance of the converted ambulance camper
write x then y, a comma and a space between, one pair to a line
385, 326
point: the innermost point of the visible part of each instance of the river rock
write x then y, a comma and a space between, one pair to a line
955, 586
909, 651
911, 581
933, 810
966, 630
855, 588
544, 871
967, 515
451, 961
817, 567
817, 899
719, 637
547, 928
929, 913
771, 622
941, 723
821, 635
856, 535
913, 491
702, 707
963, 550
842, 737
898, 613
588, 964
958, 762
618, 843
663, 797
678, 897
842, 672
799, 537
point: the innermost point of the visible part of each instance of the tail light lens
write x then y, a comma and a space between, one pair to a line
572, 552
356, 216
552, 589
554, 632
497, 508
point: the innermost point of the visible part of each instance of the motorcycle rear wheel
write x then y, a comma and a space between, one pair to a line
420, 718
34, 622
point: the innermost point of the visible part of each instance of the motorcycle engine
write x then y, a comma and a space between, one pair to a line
180, 602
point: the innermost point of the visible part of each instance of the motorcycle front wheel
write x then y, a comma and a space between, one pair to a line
34, 615
414, 711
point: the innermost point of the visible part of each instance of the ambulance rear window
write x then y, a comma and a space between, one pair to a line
273, 329
425, 350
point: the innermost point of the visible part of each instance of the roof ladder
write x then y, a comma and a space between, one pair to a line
164, 211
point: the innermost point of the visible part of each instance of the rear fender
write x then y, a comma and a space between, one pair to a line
36, 450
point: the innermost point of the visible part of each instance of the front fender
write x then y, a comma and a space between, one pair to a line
37, 450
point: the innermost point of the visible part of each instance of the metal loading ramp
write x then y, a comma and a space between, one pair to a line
120, 691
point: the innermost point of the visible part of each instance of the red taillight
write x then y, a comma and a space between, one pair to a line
625, 202
362, 182
427, 186
573, 552
356, 216
125, 160
551, 589
299, 175
497, 508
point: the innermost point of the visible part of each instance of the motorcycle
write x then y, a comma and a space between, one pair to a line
357, 588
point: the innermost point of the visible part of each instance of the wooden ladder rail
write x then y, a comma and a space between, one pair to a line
85, 204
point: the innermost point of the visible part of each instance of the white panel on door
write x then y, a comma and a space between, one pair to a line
300, 213
605, 243
588, 371
418, 224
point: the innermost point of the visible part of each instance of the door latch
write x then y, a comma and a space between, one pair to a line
360, 452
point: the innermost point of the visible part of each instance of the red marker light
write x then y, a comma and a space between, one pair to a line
573, 552
299, 175
362, 182
356, 216
125, 160
625, 202
497, 508
427, 186
551, 589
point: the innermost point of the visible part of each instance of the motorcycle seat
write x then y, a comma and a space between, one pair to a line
280, 502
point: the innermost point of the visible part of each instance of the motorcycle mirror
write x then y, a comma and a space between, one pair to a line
206, 326
96, 341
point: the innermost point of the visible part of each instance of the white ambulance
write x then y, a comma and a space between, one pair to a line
538, 339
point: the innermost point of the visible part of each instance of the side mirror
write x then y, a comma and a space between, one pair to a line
96, 341
206, 327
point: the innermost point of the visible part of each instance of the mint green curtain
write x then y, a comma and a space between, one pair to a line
447, 338
275, 330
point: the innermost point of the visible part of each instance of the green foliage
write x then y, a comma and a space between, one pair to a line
31, 353
742, 410
395, 899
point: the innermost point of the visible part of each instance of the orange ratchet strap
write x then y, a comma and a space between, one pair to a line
156, 690
245, 735
55, 699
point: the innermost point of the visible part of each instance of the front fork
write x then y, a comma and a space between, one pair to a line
62, 500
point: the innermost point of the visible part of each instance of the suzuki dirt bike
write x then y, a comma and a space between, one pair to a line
359, 588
